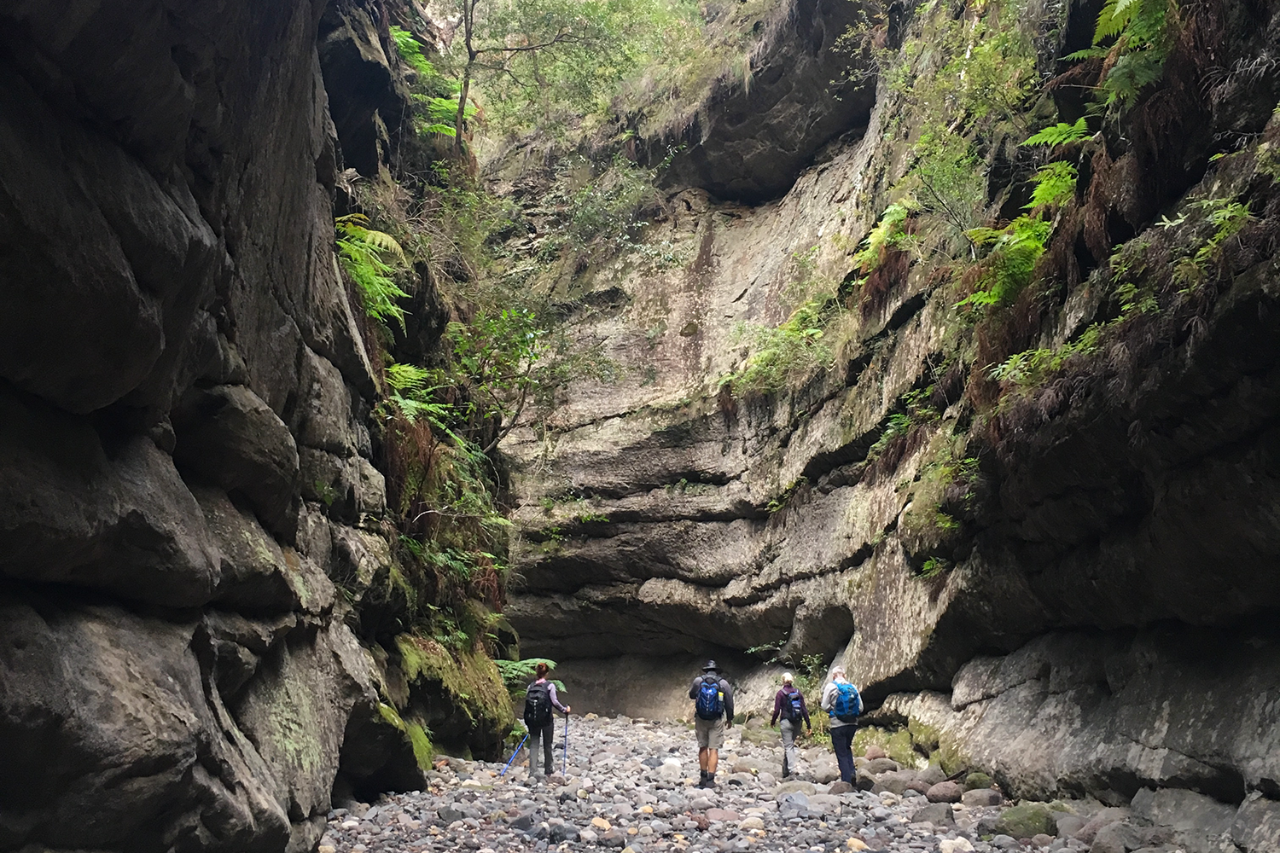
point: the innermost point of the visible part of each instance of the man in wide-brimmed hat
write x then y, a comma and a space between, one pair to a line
712, 714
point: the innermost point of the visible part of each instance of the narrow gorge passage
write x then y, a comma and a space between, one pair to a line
630, 785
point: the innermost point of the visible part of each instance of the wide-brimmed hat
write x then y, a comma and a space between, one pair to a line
711, 665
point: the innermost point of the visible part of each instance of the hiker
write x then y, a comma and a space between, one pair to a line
842, 703
539, 699
788, 703
713, 713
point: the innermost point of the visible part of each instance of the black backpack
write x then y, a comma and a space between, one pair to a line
794, 708
537, 706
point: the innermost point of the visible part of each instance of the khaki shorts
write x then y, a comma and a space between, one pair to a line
710, 732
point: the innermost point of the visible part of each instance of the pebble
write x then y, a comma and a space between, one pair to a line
631, 787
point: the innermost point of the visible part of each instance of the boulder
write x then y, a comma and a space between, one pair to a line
1105, 817
945, 792
938, 814
1026, 820
1257, 824
875, 751
896, 781
882, 764
977, 779
1118, 837
980, 797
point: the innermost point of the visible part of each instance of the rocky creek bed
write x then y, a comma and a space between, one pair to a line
631, 785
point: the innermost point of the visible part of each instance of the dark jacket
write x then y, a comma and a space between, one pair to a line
724, 688
782, 699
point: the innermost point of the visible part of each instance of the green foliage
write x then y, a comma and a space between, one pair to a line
1032, 367
792, 349
1054, 185
516, 674
604, 214
363, 253
888, 234
1010, 261
948, 180
1136, 37
783, 499
1060, 134
1227, 217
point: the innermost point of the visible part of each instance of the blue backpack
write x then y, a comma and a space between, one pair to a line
709, 706
848, 704
795, 706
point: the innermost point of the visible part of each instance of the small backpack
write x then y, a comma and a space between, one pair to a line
709, 705
795, 706
848, 704
537, 706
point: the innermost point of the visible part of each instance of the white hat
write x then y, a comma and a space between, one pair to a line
786, 678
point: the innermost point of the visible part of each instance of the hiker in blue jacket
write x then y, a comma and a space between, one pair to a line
712, 714
842, 703
788, 703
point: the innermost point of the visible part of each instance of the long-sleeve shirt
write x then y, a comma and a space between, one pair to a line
782, 699
724, 688
829, 703
551, 694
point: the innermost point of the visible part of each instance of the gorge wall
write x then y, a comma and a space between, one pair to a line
190, 507
1097, 612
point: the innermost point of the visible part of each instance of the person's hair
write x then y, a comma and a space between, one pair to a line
541, 670
786, 678
837, 672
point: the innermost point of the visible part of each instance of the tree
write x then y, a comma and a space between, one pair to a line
508, 38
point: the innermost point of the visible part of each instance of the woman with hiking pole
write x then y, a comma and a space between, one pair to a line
539, 699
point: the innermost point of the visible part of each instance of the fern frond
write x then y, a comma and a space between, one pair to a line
1115, 16
1055, 185
1060, 134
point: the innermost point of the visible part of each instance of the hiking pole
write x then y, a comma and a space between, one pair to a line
564, 765
513, 756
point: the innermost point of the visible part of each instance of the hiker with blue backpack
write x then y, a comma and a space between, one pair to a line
788, 703
539, 699
713, 713
842, 703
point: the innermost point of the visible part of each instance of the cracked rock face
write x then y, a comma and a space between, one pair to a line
177, 355
661, 516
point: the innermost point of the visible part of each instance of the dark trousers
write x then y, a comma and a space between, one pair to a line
842, 744
546, 734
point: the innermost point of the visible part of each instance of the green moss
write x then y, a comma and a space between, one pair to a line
896, 744
471, 677
1026, 820
417, 734
977, 780
923, 737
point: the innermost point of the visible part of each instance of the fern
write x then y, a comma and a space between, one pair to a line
1010, 263
887, 233
1060, 134
1143, 31
1055, 185
361, 252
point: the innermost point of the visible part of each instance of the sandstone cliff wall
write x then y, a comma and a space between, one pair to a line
184, 440
1118, 537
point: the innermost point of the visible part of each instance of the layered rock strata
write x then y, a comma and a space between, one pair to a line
1131, 507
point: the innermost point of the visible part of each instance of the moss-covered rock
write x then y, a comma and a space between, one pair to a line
898, 744
458, 695
977, 779
1026, 820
